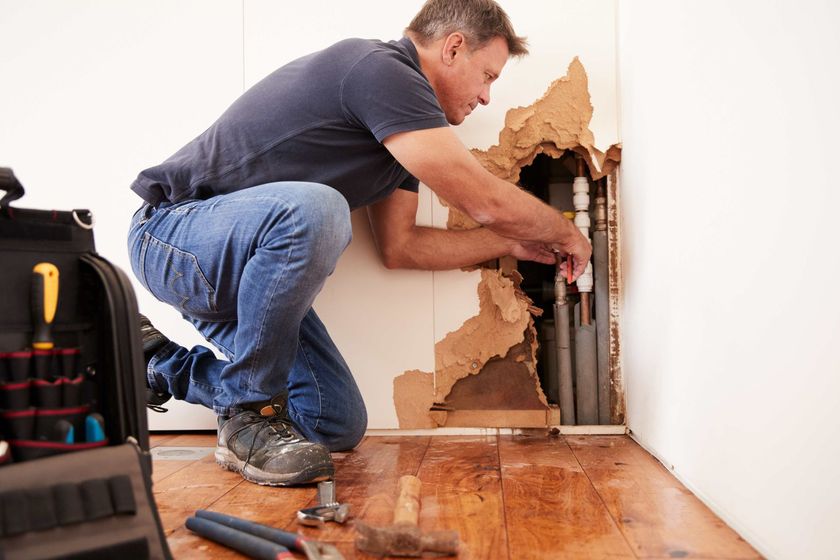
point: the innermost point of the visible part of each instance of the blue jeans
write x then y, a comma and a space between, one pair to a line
244, 268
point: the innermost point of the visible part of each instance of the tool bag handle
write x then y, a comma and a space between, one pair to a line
10, 184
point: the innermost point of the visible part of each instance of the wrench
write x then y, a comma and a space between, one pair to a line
328, 510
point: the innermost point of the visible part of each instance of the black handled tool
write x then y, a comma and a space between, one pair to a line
314, 550
245, 543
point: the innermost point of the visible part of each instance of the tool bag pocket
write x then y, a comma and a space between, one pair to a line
93, 504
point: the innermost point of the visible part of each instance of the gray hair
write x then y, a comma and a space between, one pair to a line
479, 21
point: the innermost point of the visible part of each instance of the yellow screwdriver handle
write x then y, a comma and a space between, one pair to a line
44, 303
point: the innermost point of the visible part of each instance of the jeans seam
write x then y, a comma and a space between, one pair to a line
255, 360
144, 245
317, 385
224, 349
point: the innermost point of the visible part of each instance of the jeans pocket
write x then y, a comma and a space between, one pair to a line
175, 277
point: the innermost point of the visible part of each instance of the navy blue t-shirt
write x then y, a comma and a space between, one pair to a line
321, 119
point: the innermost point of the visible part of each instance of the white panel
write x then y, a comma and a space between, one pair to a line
730, 317
278, 32
380, 320
94, 92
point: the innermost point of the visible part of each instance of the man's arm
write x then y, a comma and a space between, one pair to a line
403, 244
437, 158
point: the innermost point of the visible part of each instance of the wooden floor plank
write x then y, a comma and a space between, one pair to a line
159, 439
163, 469
462, 492
207, 439
655, 512
191, 488
552, 510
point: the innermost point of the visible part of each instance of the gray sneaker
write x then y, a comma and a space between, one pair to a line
263, 446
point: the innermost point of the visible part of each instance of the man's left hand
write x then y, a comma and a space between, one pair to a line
529, 251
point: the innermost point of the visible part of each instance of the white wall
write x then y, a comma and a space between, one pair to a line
95, 91
730, 124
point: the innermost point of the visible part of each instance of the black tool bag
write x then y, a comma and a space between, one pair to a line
75, 469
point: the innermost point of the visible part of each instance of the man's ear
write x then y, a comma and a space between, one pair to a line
453, 46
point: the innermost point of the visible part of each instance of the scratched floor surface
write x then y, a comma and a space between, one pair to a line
509, 497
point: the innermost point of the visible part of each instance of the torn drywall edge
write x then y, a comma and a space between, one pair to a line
556, 122
489, 334
617, 403
414, 395
504, 320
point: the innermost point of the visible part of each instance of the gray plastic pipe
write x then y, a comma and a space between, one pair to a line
599, 256
587, 378
600, 260
564, 351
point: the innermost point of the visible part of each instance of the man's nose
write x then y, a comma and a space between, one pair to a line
484, 96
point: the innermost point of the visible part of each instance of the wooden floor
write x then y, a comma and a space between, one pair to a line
510, 497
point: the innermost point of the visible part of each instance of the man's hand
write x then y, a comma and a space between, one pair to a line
529, 251
579, 250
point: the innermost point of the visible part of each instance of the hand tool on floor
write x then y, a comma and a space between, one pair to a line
44, 300
314, 550
561, 345
586, 386
403, 537
246, 543
602, 314
328, 509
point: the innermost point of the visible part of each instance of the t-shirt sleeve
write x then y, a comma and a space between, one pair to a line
411, 184
386, 96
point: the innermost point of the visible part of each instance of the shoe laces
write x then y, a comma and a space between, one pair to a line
280, 423
156, 408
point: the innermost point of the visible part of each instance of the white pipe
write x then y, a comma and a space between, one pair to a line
581, 200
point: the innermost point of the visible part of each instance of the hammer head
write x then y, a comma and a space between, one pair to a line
405, 539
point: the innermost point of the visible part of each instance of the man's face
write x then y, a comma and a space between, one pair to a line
467, 76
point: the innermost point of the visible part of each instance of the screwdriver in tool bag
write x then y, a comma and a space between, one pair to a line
44, 302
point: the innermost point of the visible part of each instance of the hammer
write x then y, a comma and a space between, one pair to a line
403, 537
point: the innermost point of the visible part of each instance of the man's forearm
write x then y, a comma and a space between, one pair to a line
442, 249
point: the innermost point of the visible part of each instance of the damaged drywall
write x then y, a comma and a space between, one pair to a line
503, 321
555, 123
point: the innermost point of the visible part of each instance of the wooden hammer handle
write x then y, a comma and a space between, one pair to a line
407, 509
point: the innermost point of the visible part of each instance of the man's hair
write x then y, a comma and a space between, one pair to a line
479, 21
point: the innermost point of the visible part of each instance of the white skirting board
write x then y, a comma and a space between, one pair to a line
564, 430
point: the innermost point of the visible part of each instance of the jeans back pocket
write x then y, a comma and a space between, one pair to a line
174, 276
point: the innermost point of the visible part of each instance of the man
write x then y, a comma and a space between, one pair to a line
241, 227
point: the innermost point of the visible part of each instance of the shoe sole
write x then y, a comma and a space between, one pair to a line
228, 460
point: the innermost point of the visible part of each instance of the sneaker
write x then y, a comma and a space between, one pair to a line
153, 340
264, 447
